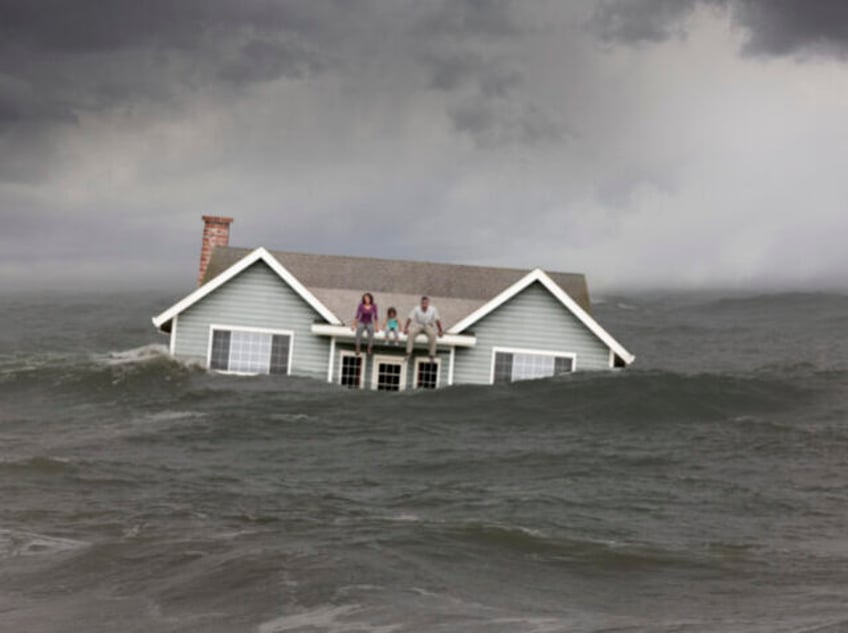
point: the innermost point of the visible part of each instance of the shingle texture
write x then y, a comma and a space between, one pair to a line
339, 281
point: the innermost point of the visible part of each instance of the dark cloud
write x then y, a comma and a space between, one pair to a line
262, 60
480, 131
773, 27
470, 18
492, 77
637, 21
60, 61
782, 27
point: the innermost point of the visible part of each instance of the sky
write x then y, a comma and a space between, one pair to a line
680, 144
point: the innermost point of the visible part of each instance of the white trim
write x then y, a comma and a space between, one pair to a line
172, 343
248, 328
611, 359
388, 359
242, 328
345, 333
523, 350
451, 363
259, 254
539, 275
342, 354
331, 364
426, 359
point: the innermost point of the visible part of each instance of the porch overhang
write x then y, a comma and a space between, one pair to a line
344, 333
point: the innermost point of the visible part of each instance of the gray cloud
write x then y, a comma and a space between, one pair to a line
470, 18
463, 130
636, 21
59, 62
774, 27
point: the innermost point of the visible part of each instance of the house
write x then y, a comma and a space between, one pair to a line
259, 312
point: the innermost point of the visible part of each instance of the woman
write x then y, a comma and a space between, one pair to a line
365, 319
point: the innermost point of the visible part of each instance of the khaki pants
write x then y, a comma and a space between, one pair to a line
414, 330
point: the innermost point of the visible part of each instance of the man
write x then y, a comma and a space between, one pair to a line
421, 319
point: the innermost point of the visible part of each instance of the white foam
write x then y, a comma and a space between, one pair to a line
168, 416
16, 543
329, 619
134, 355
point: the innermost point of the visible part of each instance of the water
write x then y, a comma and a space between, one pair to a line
705, 489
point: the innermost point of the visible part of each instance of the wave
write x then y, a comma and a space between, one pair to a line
148, 376
19, 543
39, 465
536, 544
152, 351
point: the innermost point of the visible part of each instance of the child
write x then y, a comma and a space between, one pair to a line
391, 326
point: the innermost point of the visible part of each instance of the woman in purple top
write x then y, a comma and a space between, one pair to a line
366, 317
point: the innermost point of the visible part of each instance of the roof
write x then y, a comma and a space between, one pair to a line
339, 280
333, 284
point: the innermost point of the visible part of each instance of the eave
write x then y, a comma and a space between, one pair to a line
343, 332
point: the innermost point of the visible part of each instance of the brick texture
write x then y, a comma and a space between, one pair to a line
216, 232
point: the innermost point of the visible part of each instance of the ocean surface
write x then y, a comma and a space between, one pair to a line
703, 489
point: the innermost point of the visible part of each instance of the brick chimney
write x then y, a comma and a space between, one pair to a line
216, 232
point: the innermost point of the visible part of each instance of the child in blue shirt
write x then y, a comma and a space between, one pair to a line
391, 327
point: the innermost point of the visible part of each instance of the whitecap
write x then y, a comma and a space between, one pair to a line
17, 543
141, 354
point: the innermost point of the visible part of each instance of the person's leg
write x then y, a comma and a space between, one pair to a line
414, 329
359, 327
370, 328
431, 340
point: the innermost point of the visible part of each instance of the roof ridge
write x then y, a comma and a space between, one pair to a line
407, 261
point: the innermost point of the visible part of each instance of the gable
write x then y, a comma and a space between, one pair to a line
163, 320
540, 278
256, 295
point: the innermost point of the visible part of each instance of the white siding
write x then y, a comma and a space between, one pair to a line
396, 352
533, 319
255, 298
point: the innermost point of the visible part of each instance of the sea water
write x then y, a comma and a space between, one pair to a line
703, 489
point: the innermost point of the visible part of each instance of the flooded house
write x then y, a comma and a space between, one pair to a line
257, 311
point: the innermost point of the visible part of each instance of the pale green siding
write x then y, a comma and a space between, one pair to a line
255, 298
258, 298
533, 319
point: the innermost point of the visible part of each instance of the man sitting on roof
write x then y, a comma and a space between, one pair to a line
421, 319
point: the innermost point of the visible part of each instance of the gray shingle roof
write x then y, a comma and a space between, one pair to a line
456, 289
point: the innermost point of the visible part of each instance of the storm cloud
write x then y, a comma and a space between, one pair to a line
647, 143
772, 27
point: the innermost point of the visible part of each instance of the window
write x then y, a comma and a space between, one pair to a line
513, 365
249, 351
388, 373
426, 373
350, 372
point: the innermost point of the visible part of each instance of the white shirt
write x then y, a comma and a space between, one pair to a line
424, 317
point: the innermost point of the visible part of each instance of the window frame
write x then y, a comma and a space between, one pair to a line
538, 352
426, 359
376, 359
255, 330
362, 359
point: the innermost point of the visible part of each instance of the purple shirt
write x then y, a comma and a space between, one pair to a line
364, 315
